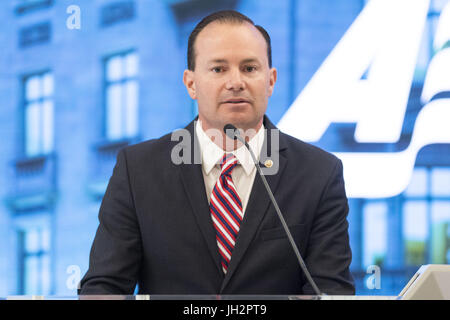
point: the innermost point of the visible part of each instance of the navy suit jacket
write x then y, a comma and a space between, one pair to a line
156, 231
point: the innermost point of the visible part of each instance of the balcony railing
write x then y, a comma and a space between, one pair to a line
27, 6
118, 11
33, 183
105, 155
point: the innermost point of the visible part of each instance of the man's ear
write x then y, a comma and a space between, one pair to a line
272, 80
188, 80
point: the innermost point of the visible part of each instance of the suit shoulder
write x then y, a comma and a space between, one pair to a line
148, 148
308, 152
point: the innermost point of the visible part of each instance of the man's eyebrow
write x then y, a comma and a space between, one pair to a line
218, 61
250, 60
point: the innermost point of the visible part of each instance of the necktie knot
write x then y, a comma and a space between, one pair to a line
229, 162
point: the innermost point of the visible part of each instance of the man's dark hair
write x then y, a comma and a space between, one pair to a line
229, 16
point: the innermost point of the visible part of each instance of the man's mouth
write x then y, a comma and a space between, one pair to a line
236, 101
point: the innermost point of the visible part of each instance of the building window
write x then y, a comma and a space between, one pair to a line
34, 277
415, 231
426, 212
121, 96
38, 114
375, 232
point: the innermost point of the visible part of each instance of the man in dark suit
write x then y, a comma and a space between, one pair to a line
193, 217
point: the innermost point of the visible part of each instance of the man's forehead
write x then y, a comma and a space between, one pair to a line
209, 38
210, 32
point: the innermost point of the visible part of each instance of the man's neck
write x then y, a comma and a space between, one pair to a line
217, 136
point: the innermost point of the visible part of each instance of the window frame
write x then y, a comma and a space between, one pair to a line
122, 82
429, 198
25, 103
41, 221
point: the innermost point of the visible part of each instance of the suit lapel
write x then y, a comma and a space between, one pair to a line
258, 203
194, 185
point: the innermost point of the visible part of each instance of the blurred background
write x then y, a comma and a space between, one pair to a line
80, 79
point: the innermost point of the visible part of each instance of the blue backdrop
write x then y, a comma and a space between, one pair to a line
80, 79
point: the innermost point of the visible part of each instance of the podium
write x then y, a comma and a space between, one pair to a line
217, 298
430, 282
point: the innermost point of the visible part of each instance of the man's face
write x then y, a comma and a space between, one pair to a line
232, 81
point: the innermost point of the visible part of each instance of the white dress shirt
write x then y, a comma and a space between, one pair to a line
243, 174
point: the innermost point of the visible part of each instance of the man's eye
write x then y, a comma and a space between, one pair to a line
217, 69
250, 68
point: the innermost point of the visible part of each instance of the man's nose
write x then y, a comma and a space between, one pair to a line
235, 81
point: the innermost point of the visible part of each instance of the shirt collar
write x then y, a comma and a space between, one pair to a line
212, 154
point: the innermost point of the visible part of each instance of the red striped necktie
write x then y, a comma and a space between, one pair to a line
226, 210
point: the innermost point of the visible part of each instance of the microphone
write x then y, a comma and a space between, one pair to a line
233, 133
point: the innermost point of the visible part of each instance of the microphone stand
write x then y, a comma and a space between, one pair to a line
236, 135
